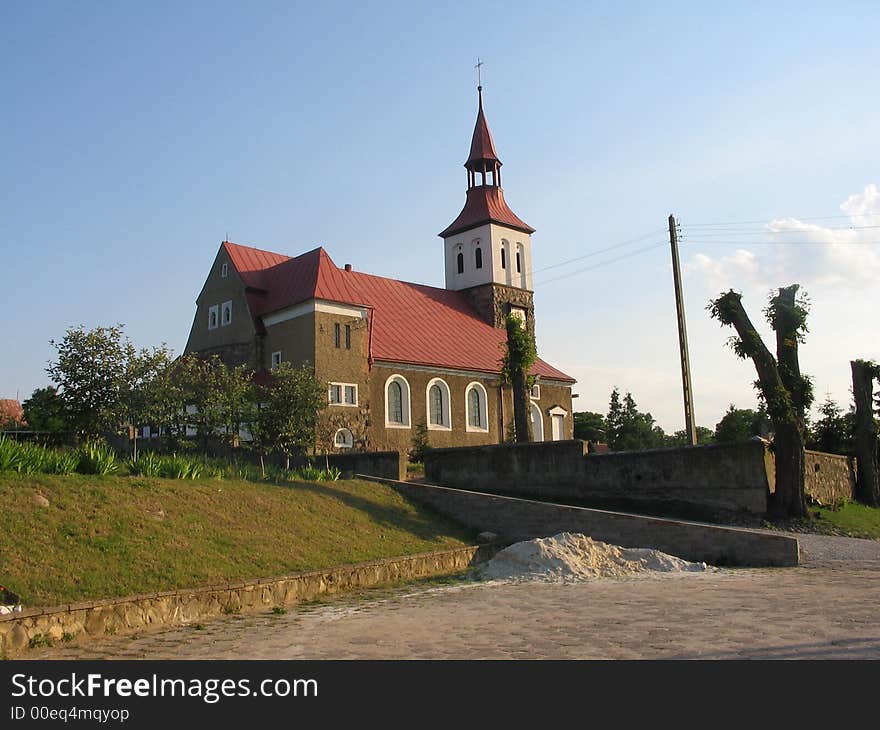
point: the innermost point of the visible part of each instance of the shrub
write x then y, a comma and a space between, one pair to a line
10, 454
147, 464
97, 458
62, 462
32, 459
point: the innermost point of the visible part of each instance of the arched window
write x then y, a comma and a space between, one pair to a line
478, 257
439, 415
476, 408
397, 402
343, 439
518, 263
460, 262
503, 258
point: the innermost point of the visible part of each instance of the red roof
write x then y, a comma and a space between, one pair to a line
400, 311
482, 146
485, 204
11, 412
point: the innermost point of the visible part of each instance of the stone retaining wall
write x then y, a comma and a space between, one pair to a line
125, 615
701, 480
828, 478
515, 519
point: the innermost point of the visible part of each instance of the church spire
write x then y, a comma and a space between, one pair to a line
483, 159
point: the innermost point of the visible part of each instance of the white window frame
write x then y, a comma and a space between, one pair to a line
348, 442
535, 392
276, 359
215, 310
446, 411
484, 408
535, 409
226, 307
224, 271
341, 401
557, 412
404, 405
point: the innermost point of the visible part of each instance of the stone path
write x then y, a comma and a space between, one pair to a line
824, 609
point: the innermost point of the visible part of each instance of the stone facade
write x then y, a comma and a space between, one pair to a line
829, 479
493, 302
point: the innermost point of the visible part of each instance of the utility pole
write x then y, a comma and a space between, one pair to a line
689, 423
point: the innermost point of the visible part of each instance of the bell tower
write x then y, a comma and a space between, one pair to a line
488, 248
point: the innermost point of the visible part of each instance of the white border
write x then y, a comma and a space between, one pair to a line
484, 409
447, 414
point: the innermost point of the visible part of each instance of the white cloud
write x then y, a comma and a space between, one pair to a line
840, 256
727, 272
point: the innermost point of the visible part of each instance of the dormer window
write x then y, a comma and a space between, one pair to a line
224, 271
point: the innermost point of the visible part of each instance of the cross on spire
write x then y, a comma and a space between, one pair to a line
479, 75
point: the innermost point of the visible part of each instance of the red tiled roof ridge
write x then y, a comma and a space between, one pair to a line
457, 338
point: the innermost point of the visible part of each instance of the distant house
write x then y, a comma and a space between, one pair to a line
395, 355
11, 414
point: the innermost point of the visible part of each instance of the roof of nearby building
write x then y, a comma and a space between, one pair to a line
11, 410
485, 204
410, 323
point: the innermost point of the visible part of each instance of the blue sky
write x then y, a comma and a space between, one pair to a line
135, 136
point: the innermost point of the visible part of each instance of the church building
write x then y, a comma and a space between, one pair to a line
395, 355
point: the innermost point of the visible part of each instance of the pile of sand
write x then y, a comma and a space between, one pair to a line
569, 557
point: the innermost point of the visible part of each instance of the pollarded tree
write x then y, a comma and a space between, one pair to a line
784, 390
864, 372
515, 366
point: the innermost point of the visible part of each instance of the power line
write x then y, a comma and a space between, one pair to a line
764, 220
700, 242
604, 263
770, 232
601, 250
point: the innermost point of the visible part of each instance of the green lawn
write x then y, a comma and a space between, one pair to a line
102, 537
852, 519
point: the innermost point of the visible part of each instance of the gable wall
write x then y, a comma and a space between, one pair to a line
235, 342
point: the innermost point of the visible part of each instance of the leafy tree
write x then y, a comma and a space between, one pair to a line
167, 397
589, 426
288, 414
681, 438
44, 411
786, 393
235, 399
89, 372
627, 428
831, 433
142, 368
518, 359
741, 424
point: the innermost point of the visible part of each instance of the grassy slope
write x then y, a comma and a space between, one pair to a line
851, 519
113, 536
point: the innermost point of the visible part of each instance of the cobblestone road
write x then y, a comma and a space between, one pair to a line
825, 609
